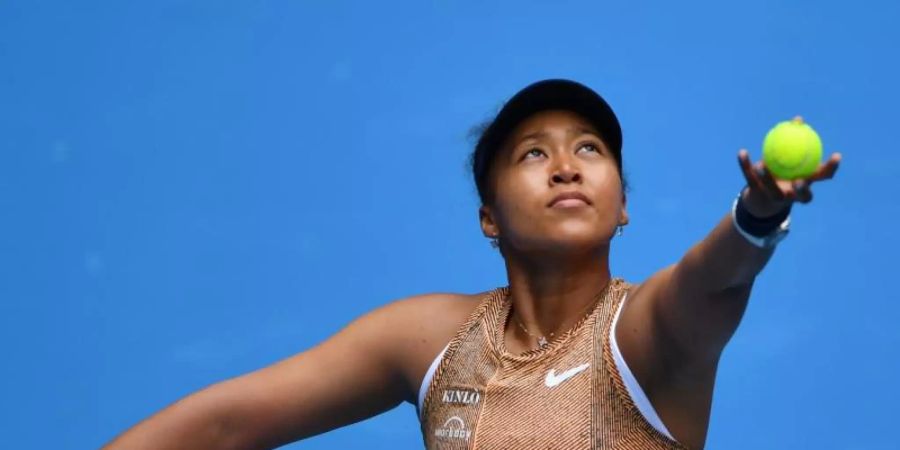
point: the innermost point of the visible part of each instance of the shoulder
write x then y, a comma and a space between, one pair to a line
432, 319
635, 302
421, 325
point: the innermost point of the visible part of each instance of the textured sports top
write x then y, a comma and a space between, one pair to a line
570, 394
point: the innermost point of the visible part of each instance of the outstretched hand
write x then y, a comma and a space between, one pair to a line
767, 195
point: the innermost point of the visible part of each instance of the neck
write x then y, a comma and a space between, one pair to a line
550, 294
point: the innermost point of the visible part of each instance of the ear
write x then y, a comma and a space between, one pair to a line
623, 213
488, 225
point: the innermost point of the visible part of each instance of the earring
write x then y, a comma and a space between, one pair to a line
620, 230
495, 242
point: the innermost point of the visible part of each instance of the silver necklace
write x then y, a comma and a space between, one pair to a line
541, 340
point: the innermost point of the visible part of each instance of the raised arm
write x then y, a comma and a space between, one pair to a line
356, 374
675, 325
698, 302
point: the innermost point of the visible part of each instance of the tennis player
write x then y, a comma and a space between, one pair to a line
566, 356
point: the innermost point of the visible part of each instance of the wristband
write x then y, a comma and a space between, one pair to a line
761, 232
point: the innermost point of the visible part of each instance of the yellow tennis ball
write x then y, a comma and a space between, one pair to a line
792, 150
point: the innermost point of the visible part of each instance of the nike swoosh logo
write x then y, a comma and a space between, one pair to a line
553, 379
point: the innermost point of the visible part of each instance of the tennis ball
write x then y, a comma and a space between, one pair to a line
792, 150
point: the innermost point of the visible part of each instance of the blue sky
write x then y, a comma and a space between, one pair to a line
191, 190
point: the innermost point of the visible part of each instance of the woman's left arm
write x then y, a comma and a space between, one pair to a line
698, 302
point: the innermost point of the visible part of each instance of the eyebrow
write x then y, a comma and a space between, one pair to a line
535, 135
581, 130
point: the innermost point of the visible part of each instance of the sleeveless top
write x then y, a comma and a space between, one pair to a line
567, 395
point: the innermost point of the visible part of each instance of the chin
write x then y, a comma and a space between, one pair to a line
577, 231
579, 241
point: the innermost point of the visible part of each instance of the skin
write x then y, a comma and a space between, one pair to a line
671, 331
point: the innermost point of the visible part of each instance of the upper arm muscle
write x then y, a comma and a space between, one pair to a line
694, 325
671, 340
370, 366
349, 377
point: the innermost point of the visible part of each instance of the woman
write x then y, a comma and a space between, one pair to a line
566, 356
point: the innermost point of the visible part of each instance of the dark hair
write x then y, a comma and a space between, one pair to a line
486, 147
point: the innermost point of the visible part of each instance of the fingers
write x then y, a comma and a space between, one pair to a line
760, 179
826, 171
749, 172
774, 188
804, 193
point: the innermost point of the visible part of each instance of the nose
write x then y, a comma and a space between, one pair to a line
565, 172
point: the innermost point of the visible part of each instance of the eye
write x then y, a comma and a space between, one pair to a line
590, 147
533, 152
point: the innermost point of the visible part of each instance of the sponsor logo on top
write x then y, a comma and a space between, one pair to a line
461, 396
553, 379
453, 428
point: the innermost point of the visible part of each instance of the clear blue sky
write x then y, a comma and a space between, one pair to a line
191, 190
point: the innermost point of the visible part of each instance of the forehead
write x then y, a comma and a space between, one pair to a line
551, 120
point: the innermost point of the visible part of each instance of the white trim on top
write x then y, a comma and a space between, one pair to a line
631, 385
423, 388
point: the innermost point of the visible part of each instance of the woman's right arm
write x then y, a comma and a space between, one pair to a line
355, 374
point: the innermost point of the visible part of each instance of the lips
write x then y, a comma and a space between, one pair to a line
571, 198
